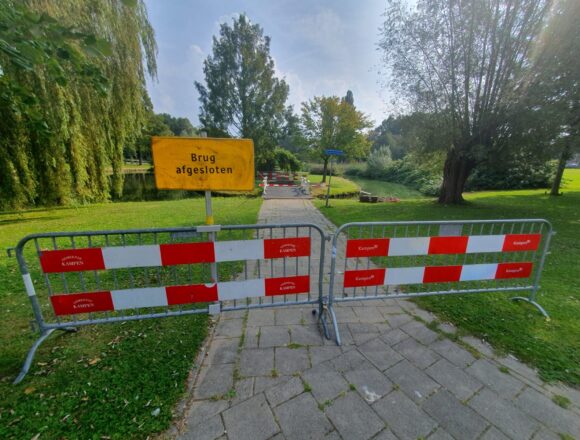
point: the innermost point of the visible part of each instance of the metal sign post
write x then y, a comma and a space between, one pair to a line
331, 153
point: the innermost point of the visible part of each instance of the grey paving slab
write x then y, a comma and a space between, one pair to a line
291, 360
453, 352
417, 353
223, 351
203, 410
369, 314
214, 381
353, 418
385, 434
404, 417
256, 362
380, 354
260, 317
398, 320
504, 415
251, 337
229, 328
325, 382
346, 314
462, 385
250, 420
521, 369
440, 434
244, 389
209, 429
284, 391
300, 419
489, 374
394, 336
459, 420
321, 354
494, 434
481, 346
414, 382
306, 335
370, 383
263, 383
543, 409
289, 316
348, 361
420, 332
544, 434
274, 336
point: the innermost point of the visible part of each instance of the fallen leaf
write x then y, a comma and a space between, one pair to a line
29, 390
94, 361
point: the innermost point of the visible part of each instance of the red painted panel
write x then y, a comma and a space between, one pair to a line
441, 274
286, 247
448, 245
187, 253
193, 293
521, 242
72, 260
513, 270
361, 278
375, 247
82, 303
287, 285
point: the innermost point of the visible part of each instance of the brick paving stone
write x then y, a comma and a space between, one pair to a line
394, 336
504, 415
380, 354
300, 419
305, 335
291, 360
403, 417
215, 381
353, 418
325, 382
488, 373
204, 409
417, 353
542, 408
414, 382
250, 420
209, 429
453, 352
494, 434
348, 361
222, 351
421, 333
284, 391
263, 383
370, 383
462, 385
321, 354
274, 336
229, 328
256, 362
260, 317
459, 420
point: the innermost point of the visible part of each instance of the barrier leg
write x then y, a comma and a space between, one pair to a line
532, 302
335, 325
28, 362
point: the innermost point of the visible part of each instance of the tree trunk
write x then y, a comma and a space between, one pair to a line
455, 173
324, 170
564, 156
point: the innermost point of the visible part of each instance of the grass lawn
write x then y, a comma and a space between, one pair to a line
338, 185
110, 381
551, 346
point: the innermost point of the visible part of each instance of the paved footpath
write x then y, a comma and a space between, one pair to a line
268, 374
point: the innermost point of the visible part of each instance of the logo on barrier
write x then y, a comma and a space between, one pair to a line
376, 247
72, 260
287, 247
287, 285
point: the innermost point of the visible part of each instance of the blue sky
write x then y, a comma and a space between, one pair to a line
320, 47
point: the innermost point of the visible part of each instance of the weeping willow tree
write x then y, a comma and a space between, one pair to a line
72, 95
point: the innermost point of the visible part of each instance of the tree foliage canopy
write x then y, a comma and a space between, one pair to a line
465, 62
72, 89
241, 96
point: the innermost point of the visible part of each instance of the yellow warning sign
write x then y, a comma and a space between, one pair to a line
203, 163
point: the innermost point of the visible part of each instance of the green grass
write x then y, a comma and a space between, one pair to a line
551, 346
386, 189
338, 185
117, 380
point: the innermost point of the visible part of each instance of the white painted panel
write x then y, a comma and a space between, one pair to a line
404, 275
136, 298
131, 256
408, 246
485, 243
473, 272
239, 250
241, 289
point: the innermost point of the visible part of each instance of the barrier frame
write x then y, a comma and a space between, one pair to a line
46, 327
546, 231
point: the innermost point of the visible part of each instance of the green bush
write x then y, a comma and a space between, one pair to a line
518, 173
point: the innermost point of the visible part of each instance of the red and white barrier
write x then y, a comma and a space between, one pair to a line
281, 184
436, 274
104, 301
394, 247
77, 260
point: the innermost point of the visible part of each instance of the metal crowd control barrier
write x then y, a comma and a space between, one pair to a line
412, 259
84, 278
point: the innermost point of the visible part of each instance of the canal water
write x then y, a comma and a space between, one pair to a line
386, 189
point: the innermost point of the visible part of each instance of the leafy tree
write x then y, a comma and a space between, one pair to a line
292, 138
72, 89
241, 96
332, 123
349, 98
462, 62
178, 126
